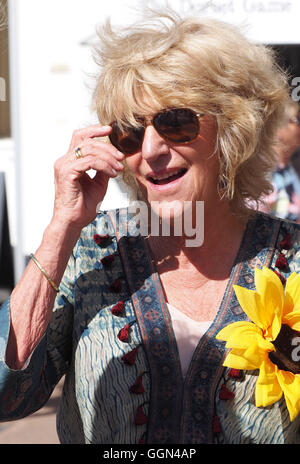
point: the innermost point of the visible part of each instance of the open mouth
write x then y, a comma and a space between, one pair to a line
167, 178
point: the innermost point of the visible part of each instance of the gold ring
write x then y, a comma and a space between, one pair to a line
78, 153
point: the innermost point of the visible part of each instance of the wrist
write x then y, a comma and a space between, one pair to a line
59, 239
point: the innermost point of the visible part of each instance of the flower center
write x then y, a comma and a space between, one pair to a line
286, 356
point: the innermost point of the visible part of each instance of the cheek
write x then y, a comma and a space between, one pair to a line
208, 134
132, 163
206, 175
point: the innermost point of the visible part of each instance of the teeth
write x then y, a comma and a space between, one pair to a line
165, 176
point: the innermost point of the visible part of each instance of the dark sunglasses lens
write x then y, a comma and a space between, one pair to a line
128, 140
177, 125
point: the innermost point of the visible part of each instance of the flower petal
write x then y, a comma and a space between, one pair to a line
236, 360
254, 355
268, 284
244, 337
251, 304
230, 329
292, 293
271, 294
268, 389
292, 320
267, 372
274, 329
290, 385
265, 395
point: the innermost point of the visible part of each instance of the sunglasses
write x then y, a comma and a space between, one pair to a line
177, 125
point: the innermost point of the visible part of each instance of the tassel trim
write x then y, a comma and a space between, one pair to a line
281, 263
102, 240
116, 286
124, 333
138, 386
286, 243
107, 260
216, 425
236, 374
118, 309
129, 358
140, 416
225, 394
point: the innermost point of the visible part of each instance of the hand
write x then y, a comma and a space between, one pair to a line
76, 193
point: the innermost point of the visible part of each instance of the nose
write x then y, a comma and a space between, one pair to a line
153, 144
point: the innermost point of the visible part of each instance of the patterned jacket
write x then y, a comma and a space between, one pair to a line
111, 336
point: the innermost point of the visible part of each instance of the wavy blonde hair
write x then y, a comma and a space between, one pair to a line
206, 65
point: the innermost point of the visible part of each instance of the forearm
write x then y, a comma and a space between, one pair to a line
33, 298
76, 198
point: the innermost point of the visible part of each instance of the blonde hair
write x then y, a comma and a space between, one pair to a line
291, 108
206, 65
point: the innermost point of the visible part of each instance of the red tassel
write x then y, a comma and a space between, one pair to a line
225, 394
101, 239
137, 387
235, 373
107, 260
216, 425
286, 242
115, 287
118, 309
140, 417
281, 262
283, 279
123, 335
129, 358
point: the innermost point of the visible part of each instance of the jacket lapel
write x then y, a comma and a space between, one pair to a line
182, 412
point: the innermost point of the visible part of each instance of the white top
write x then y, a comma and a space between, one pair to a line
188, 333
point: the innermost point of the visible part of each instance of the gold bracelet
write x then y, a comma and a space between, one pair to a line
44, 273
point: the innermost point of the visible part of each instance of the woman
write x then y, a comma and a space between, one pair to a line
284, 201
191, 109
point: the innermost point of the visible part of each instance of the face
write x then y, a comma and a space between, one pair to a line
167, 172
289, 136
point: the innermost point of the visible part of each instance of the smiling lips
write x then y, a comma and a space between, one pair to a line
165, 177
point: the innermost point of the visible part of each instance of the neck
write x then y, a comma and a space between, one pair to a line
213, 258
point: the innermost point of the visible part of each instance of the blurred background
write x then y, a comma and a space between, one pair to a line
47, 77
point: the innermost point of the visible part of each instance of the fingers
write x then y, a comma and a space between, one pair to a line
94, 154
86, 142
99, 162
90, 132
95, 147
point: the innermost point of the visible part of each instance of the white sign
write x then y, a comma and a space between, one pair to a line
264, 21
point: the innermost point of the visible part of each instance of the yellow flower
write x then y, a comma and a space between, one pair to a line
269, 342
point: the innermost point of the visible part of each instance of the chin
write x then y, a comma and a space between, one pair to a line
167, 209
